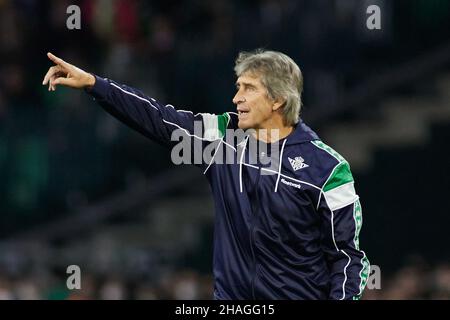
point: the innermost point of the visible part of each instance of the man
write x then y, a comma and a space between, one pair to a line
289, 231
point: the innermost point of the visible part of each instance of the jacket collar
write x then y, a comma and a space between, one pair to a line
302, 133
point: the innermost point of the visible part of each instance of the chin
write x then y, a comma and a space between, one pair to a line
243, 125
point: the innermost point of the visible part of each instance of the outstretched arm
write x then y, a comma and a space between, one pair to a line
140, 112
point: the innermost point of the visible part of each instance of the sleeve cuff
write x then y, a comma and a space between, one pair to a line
100, 89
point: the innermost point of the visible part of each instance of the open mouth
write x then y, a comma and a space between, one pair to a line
242, 113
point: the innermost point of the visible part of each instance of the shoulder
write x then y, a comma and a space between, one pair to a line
335, 169
337, 182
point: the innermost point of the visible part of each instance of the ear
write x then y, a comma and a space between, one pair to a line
277, 104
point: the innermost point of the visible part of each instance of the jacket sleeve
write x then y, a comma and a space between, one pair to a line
161, 123
341, 216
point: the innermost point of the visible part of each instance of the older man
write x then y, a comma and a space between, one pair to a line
289, 231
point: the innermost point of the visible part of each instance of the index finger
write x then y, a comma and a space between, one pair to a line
56, 60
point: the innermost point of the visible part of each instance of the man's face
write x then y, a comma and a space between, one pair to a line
254, 106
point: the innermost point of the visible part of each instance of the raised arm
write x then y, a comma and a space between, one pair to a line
140, 112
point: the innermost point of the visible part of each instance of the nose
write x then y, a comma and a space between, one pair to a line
238, 98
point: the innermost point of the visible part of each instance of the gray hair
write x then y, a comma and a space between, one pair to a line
280, 75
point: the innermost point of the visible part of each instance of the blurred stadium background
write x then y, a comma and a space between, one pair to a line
78, 187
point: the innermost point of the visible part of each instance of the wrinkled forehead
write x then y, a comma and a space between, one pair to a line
250, 77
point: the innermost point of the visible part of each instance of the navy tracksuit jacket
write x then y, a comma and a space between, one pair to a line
286, 230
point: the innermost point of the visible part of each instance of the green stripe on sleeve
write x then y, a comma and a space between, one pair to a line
222, 122
319, 144
364, 273
340, 176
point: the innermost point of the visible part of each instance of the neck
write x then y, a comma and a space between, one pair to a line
270, 135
